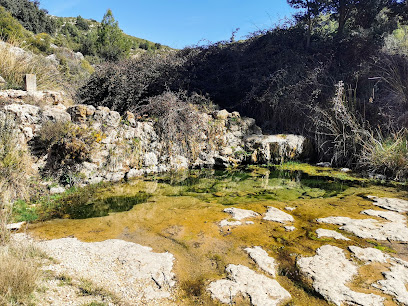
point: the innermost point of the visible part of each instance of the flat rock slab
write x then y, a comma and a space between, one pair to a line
224, 223
395, 230
369, 254
329, 271
276, 215
262, 259
329, 233
239, 214
241, 280
131, 271
15, 226
395, 281
394, 204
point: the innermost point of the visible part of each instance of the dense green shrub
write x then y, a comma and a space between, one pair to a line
10, 28
30, 15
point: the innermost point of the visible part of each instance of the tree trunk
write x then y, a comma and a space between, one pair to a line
342, 17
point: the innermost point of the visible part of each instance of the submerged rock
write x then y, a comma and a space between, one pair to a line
241, 280
397, 205
262, 259
331, 234
330, 270
276, 215
131, 271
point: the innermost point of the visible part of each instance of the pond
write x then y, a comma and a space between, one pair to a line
181, 214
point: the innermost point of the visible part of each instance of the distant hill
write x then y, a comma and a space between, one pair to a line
75, 33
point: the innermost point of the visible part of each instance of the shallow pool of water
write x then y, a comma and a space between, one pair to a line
181, 214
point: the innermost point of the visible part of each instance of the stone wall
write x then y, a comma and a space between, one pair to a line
126, 147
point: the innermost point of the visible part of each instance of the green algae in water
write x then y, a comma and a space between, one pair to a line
182, 213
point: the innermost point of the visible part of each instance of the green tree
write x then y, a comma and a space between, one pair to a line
29, 14
81, 23
311, 8
112, 44
10, 28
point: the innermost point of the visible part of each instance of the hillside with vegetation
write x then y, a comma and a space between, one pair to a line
61, 51
336, 73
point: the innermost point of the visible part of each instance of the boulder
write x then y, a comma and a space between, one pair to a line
277, 148
222, 114
78, 113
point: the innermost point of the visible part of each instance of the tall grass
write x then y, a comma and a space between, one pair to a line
14, 64
19, 272
15, 162
387, 155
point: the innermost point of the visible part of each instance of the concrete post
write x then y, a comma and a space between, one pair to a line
30, 81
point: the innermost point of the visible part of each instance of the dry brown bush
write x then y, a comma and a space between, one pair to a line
14, 65
18, 273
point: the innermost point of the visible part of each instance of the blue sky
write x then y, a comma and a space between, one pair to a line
179, 23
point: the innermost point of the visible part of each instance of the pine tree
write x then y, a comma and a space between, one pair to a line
112, 44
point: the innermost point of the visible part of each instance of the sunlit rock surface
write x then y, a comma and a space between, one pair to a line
262, 259
330, 234
330, 270
241, 280
131, 271
396, 229
276, 215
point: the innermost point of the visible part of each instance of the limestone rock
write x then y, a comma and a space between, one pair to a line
324, 164
15, 226
239, 214
57, 190
275, 148
329, 271
27, 114
131, 271
56, 113
222, 114
289, 228
397, 205
78, 113
368, 254
225, 223
262, 259
373, 229
241, 280
395, 282
328, 233
150, 159
276, 215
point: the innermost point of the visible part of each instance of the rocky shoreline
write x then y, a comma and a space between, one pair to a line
122, 147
